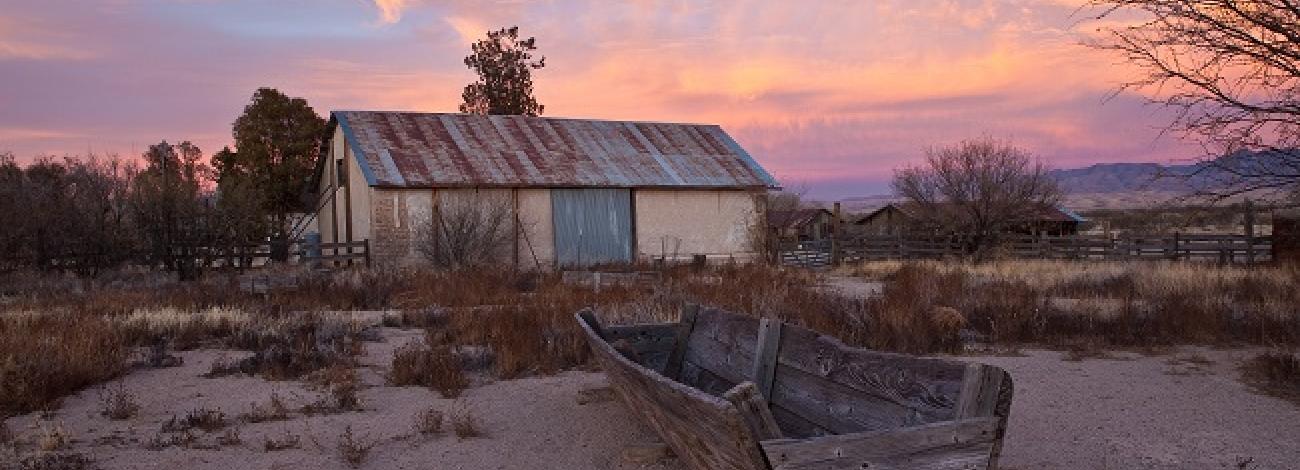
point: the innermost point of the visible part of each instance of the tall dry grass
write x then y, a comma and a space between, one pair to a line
1125, 304
46, 356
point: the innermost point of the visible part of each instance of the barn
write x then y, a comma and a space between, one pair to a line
579, 192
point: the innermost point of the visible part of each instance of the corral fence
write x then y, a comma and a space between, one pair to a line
249, 255
1224, 249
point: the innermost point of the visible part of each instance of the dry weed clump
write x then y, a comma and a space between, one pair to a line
52, 436
203, 419
1274, 373
353, 449
273, 410
418, 363
428, 422
284, 441
465, 425
117, 403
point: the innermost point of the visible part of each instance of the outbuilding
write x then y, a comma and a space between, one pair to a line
579, 192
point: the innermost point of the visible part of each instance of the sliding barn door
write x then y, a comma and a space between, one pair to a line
592, 226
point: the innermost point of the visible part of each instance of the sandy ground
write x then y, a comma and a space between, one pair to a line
533, 423
1128, 412
1169, 411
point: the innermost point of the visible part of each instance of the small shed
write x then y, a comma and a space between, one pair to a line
800, 224
578, 191
907, 217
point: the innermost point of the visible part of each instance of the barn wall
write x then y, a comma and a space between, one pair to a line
401, 216
538, 230
394, 225
716, 223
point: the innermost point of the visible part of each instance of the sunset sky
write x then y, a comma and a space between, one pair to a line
828, 95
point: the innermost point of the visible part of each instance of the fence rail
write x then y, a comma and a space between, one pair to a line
1203, 247
255, 254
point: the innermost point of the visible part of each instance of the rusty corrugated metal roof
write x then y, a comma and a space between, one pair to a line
399, 149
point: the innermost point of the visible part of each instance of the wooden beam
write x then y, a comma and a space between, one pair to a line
754, 410
673, 370
945, 445
769, 343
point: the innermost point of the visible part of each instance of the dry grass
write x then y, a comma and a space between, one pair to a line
53, 461
428, 422
284, 441
273, 410
465, 425
46, 356
117, 403
435, 367
352, 449
51, 437
203, 419
1064, 303
1274, 373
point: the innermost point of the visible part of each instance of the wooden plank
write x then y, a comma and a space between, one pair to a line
588, 320
753, 409
673, 369
920, 384
979, 391
769, 343
963, 444
840, 409
704, 431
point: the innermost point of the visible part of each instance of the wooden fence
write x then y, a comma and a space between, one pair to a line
258, 254
1201, 247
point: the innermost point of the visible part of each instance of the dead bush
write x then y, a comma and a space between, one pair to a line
428, 422
354, 449
117, 403
465, 425
1274, 373
435, 367
52, 437
204, 419
463, 235
273, 410
284, 441
230, 438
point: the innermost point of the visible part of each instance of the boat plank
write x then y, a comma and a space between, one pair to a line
929, 386
704, 431
949, 445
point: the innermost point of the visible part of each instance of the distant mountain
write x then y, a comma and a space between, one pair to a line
1128, 185
1125, 177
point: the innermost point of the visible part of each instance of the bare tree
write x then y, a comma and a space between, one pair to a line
1231, 70
467, 234
978, 189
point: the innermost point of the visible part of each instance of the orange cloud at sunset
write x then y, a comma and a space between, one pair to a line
834, 93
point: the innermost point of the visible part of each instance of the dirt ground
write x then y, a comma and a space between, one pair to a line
1183, 410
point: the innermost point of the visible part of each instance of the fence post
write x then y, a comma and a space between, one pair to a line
835, 235
1173, 247
1250, 232
366, 246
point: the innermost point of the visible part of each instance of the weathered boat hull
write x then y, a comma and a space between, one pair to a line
727, 391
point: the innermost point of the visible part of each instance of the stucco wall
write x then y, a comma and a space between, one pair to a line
396, 219
689, 222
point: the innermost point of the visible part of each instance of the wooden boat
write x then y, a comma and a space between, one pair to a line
729, 391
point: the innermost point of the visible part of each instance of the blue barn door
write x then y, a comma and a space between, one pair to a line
592, 226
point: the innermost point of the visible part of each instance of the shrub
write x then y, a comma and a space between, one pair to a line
434, 367
1275, 373
273, 410
352, 449
204, 419
428, 422
284, 441
117, 403
465, 425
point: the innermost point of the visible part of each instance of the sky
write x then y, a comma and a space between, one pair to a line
829, 96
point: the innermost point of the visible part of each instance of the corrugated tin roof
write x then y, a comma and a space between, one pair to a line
401, 149
794, 218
